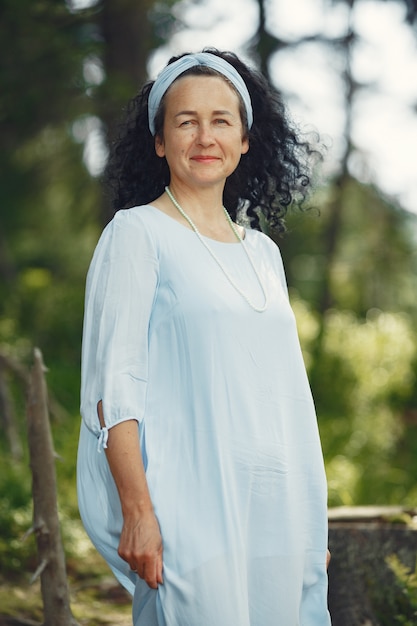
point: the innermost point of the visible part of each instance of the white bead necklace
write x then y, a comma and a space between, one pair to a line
216, 258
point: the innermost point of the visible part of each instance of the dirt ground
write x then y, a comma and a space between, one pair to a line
96, 601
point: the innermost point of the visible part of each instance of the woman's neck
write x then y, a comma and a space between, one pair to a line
202, 204
204, 207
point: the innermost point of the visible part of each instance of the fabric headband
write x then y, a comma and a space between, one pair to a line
175, 69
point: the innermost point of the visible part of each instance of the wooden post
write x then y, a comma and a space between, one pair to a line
51, 569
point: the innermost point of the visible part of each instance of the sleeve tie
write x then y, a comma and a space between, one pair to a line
102, 439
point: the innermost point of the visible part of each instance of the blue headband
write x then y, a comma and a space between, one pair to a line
175, 69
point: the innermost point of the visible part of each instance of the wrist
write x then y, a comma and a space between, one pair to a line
137, 508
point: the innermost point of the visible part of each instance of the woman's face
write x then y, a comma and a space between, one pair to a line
203, 136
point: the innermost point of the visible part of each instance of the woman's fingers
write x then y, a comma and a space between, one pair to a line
150, 574
150, 569
159, 576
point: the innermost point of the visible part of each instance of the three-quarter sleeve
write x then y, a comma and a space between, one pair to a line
121, 286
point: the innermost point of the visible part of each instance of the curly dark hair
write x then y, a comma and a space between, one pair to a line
272, 175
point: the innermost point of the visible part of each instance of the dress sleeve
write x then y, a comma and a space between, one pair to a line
121, 285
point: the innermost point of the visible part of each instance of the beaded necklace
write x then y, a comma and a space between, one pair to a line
216, 258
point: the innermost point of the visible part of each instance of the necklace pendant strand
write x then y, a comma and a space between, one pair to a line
215, 257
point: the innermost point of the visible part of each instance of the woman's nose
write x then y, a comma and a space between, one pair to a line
205, 135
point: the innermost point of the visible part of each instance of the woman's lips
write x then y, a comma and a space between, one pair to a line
204, 159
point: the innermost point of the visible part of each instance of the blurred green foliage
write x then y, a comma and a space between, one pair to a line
398, 605
366, 376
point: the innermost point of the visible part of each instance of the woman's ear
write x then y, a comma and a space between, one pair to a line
245, 145
159, 146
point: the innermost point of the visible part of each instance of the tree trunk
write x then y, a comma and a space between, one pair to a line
11, 368
264, 44
51, 568
127, 34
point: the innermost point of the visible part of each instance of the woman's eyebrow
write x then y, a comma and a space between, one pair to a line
217, 112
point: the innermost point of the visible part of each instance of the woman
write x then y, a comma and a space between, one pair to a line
210, 501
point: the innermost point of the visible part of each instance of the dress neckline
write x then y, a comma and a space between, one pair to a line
190, 230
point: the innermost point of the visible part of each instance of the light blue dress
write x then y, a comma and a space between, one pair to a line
226, 421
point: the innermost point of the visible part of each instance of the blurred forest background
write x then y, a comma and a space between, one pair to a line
67, 69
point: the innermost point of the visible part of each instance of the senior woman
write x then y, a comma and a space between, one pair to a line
209, 503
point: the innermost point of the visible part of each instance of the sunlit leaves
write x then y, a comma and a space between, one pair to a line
365, 369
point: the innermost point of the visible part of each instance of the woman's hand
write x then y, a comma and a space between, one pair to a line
141, 546
329, 556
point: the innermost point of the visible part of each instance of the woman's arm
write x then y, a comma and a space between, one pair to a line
140, 541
